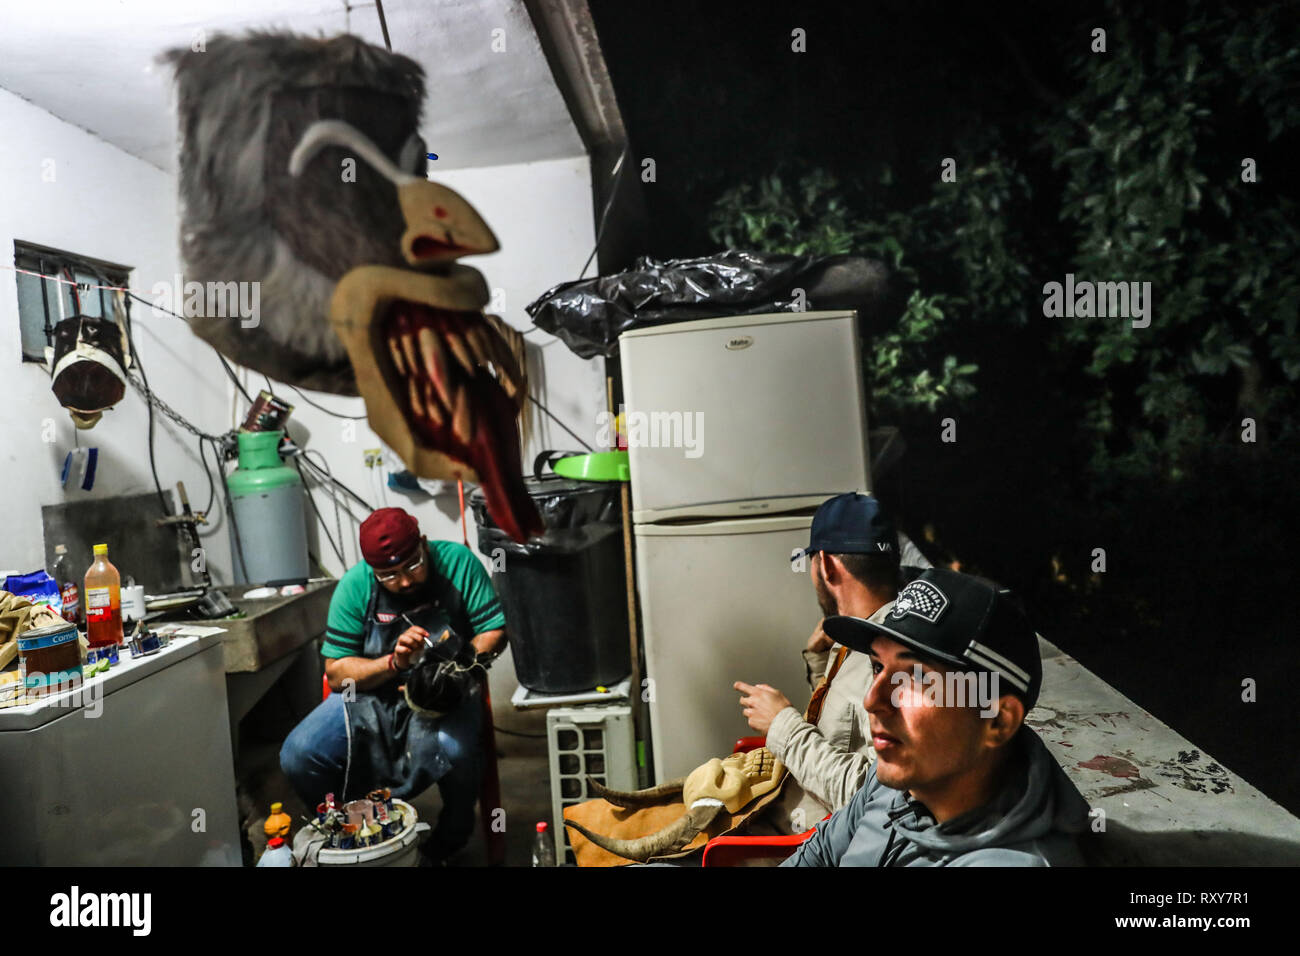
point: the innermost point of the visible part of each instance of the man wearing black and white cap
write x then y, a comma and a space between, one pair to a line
958, 779
853, 560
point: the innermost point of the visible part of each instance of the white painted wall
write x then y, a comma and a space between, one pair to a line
109, 205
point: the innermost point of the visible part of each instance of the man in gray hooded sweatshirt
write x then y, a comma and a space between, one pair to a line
958, 779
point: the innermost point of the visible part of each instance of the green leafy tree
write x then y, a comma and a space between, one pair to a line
812, 214
1152, 147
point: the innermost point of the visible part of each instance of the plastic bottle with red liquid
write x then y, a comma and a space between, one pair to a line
103, 600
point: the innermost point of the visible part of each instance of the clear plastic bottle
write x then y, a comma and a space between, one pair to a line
543, 846
103, 593
67, 586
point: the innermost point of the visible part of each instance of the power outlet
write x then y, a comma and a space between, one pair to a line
374, 457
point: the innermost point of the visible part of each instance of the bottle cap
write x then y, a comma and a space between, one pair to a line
541, 827
101, 549
276, 807
60, 549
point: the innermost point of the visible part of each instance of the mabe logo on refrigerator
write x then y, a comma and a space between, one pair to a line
740, 342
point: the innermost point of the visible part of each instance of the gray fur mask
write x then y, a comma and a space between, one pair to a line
303, 186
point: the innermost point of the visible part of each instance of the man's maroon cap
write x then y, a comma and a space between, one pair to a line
388, 536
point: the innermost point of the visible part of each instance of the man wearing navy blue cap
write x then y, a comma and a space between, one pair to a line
853, 560
958, 780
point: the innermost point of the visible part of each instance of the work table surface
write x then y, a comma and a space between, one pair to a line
274, 626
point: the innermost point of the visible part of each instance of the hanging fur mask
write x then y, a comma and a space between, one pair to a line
302, 173
89, 367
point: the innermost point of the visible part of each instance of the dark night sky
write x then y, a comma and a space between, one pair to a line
713, 92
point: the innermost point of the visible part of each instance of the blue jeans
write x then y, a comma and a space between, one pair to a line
315, 759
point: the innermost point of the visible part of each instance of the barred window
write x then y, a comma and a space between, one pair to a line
42, 302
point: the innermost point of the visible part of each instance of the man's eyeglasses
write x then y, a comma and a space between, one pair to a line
409, 569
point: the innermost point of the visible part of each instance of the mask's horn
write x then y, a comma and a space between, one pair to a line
668, 840
324, 133
636, 798
440, 224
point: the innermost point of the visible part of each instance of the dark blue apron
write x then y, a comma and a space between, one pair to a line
388, 744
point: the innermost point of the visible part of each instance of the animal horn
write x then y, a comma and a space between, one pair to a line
668, 840
636, 798
324, 133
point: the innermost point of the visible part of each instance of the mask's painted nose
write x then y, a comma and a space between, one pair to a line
440, 225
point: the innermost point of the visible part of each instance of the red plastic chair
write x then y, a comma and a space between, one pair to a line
731, 850
490, 786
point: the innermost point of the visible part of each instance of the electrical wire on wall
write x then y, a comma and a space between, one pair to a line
322, 408
326, 475
154, 403
320, 472
551, 416
320, 518
230, 372
212, 488
334, 487
338, 521
617, 174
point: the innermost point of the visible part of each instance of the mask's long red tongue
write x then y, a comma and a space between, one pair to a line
495, 456
481, 433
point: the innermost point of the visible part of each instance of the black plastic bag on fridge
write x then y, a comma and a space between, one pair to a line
588, 315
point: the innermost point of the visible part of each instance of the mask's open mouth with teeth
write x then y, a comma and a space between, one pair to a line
439, 384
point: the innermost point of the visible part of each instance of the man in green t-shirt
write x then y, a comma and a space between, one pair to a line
384, 614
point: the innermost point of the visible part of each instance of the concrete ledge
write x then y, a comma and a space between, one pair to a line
1166, 801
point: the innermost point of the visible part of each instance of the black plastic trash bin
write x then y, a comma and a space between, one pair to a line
564, 592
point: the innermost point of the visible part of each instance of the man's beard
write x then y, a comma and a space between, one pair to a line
825, 600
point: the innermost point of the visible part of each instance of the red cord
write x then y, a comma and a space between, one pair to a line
460, 489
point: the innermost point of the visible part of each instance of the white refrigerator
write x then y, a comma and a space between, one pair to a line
738, 428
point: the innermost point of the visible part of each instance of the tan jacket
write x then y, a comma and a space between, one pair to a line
829, 761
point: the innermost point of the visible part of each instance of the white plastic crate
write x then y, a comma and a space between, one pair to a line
583, 742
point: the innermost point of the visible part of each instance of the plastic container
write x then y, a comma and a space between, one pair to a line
543, 846
278, 823
103, 594
597, 466
276, 854
564, 591
50, 659
400, 850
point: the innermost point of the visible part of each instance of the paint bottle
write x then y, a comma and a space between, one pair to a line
278, 823
348, 840
543, 846
103, 595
